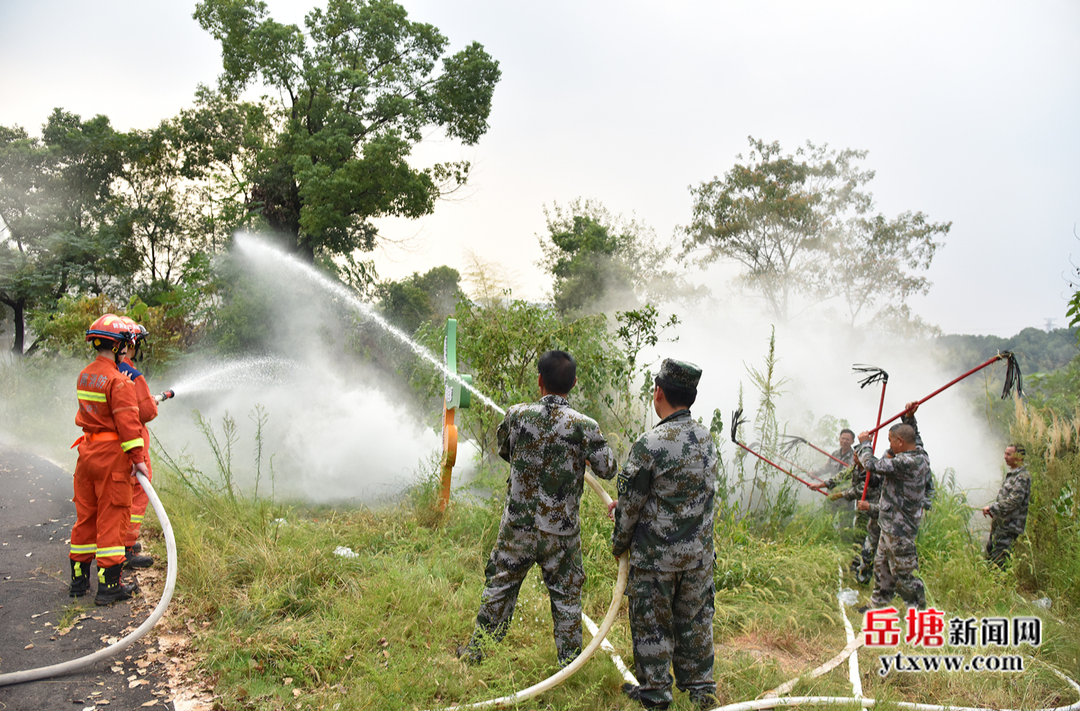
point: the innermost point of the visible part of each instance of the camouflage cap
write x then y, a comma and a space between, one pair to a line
679, 373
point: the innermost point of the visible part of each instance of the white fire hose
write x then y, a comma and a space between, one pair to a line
579, 661
166, 596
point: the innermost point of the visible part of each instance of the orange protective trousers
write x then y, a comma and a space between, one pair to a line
102, 502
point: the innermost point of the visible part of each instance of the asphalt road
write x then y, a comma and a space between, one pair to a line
40, 625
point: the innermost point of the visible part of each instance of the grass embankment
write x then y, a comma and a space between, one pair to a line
282, 622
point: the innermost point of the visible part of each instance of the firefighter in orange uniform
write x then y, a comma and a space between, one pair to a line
147, 411
111, 450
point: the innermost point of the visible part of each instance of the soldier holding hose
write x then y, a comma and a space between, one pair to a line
664, 517
547, 444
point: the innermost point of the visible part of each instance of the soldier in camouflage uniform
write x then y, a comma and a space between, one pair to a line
900, 511
833, 474
863, 564
664, 517
547, 445
1009, 511
837, 474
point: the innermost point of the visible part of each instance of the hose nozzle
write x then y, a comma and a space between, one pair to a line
165, 395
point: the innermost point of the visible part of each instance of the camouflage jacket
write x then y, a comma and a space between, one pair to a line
873, 489
903, 490
547, 444
667, 493
1010, 509
837, 475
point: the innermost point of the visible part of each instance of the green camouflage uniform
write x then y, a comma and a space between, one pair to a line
664, 517
900, 511
547, 445
1010, 511
833, 474
864, 564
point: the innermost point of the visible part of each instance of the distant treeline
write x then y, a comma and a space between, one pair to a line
1037, 351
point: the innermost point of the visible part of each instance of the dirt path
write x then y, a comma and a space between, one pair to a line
40, 625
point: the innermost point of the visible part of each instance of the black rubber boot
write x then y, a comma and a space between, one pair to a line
80, 579
137, 547
634, 692
111, 589
132, 559
470, 654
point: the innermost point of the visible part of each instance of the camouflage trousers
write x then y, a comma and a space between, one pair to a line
999, 547
671, 621
895, 568
868, 551
559, 558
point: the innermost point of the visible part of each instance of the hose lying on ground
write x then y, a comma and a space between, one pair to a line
166, 596
772, 698
579, 661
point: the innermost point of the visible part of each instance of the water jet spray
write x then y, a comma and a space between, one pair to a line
257, 248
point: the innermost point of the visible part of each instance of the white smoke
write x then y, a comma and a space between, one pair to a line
731, 332
335, 430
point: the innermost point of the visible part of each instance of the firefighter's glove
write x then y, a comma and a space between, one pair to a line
836, 495
129, 371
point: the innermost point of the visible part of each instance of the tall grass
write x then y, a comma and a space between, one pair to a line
1047, 558
285, 622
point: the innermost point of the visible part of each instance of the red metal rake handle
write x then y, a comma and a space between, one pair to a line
735, 422
1012, 375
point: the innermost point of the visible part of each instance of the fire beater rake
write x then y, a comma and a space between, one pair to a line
794, 441
874, 375
793, 465
1012, 376
735, 422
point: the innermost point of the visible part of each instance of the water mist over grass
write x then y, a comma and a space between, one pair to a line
327, 439
335, 430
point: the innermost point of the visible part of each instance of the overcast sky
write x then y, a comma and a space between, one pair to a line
970, 112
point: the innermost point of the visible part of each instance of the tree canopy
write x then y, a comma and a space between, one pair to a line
357, 89
803, 226
56, 208
601, 261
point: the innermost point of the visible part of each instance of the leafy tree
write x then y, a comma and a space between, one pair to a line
157, 211
25, 264
1057, 390
419, 299
357, 90
499, 345
56, 198
870, 261
220, 140
802, 225
599, 261
1036, 350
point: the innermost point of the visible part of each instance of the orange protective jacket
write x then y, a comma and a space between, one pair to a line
112, 442
148, 410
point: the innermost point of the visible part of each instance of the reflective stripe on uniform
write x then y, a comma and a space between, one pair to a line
91, 396
106, 552
84, 548
132, 443
136, 519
